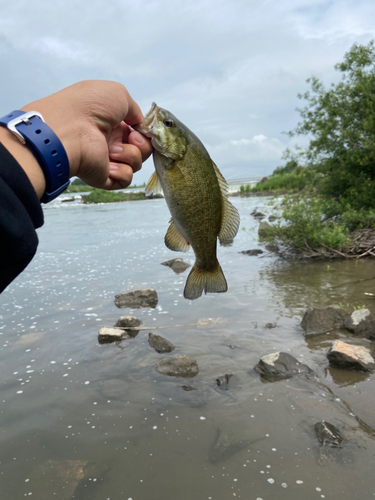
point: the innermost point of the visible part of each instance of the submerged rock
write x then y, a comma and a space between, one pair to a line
108, 334
177, 265
322, 320
129, 321
361, 323
223, 381
327, 434
280, 365
160, 344
180, 366
227, 444
146, 297
264, 230
254, 251
350, 357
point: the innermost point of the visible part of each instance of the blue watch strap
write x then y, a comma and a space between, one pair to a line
47, 148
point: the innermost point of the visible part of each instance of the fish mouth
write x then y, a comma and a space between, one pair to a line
149, 121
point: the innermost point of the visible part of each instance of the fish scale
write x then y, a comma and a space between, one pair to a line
196, 195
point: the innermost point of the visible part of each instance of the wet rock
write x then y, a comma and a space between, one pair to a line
272, 218
180, 366
350, 357
280, 365
188, 388
322, 320
108, 334
257, 215
361, 323
327, 434
129, 321
264, 230
146, 297
270, 325
223, 381
255, 251
160, 344
177, 265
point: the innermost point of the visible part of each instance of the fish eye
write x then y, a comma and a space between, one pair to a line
168, 123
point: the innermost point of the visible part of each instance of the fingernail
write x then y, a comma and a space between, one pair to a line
114, 149
113, 167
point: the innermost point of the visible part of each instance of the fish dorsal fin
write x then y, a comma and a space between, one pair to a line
174, 239
230, 219
153, 185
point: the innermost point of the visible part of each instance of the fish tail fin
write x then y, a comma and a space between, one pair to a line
201, 280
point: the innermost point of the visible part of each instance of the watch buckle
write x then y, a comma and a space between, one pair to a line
25, 118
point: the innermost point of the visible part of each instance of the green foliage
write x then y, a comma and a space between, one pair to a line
296, 180
304, 227
341, 120
103, 196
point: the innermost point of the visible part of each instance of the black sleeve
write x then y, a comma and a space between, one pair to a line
20, 214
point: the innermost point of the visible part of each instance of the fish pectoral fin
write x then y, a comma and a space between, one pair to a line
230, 219
153, 185
200, 280
230, 222
174, 239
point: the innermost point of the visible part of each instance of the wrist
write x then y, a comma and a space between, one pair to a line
26, 159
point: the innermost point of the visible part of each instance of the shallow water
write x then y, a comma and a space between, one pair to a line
87, 421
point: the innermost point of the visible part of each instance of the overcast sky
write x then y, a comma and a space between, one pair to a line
229, 69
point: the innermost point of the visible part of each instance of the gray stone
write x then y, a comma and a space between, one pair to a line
264, 230
351, 357
177, 265
272, 218
361, 323
272, 247
322, 320
223, 381
281, 365
255, 251
327, 434
146, 297
129, 321
180, 366
159, 343
108, 334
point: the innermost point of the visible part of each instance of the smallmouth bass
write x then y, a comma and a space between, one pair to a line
197, 197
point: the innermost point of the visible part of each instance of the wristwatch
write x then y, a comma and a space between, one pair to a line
31, 129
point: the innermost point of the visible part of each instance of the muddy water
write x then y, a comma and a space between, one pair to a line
87, 421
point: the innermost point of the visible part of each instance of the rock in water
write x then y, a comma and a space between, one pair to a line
107, 334
281, 365
137, 298
129, 321
361, 323
327, 434
180, 366
223, 381
177, 265
351, 357
255, 251
160, 344
323, 320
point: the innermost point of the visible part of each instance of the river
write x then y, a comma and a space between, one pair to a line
84, 421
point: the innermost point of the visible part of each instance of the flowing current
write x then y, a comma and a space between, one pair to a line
84, 421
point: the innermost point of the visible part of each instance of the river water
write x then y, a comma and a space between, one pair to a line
84, 421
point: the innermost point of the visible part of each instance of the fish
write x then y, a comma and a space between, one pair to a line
197, 197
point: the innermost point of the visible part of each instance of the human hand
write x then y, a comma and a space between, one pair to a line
92, 119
